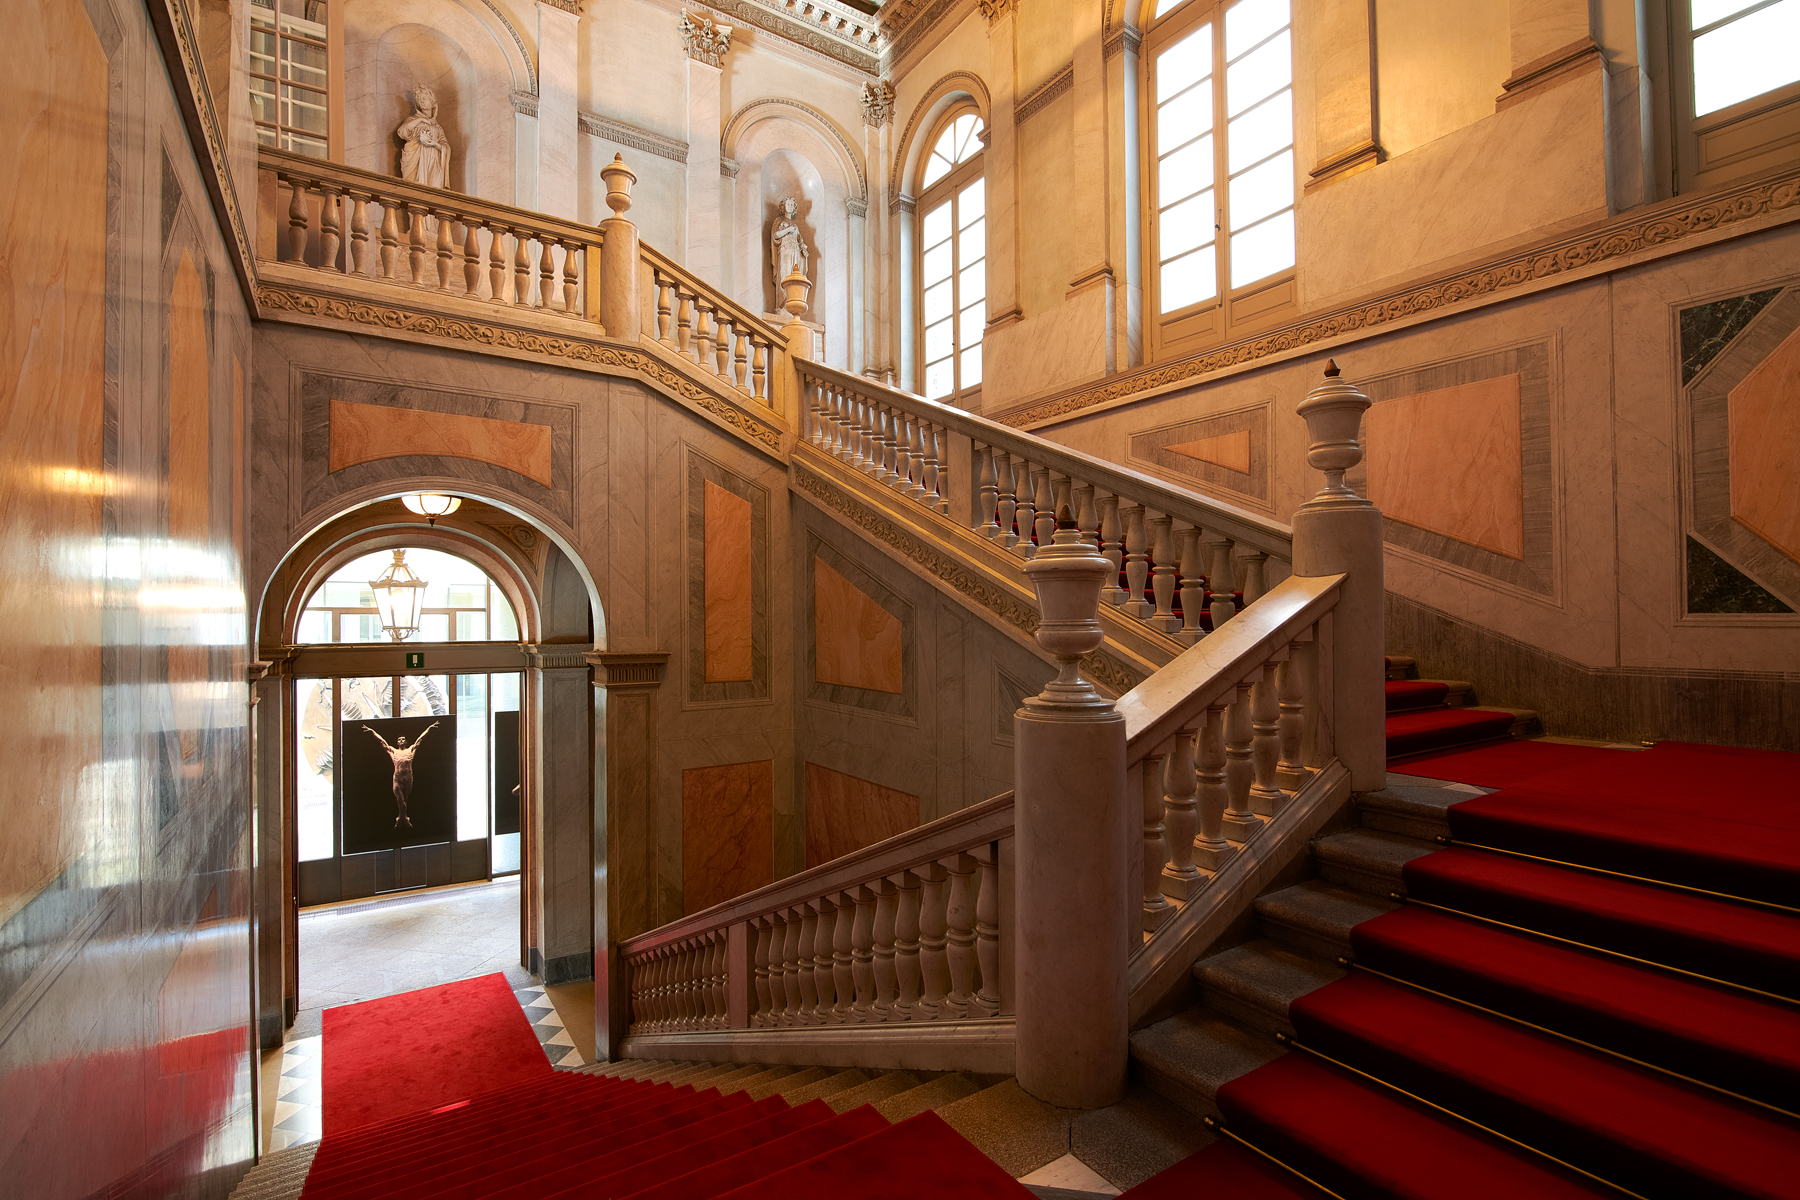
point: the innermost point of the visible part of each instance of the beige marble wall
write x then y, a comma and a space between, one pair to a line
1438, 67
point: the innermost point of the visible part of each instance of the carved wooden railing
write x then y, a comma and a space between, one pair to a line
1172, 547
723, 338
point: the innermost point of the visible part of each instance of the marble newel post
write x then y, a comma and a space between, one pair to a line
619, 300
1338, 532
706, 44
1074, 832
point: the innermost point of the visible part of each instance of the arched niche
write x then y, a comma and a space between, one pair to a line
392, 46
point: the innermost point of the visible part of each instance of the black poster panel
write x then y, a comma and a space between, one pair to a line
506, 772
399, 783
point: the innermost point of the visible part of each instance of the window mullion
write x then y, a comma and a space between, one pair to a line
1221, 166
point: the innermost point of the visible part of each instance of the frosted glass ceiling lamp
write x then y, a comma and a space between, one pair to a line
431, 505
399, 595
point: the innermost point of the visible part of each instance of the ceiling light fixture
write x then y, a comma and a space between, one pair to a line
399, 595
431, 505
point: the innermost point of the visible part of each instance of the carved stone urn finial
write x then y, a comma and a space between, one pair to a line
1068, 576
619, 179
1333, 412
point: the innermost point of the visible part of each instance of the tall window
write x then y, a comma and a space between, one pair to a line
288, 75
1744, 88
953, 260
1222, 157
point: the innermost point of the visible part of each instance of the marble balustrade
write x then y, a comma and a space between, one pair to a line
698, 323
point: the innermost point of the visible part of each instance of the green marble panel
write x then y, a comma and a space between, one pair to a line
1715, 586
1708, 328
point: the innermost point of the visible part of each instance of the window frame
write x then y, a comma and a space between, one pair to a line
1756, 134
331, 45
948, 190
1230, 311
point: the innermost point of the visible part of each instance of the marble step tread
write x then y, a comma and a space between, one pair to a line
945, 1089
794, 1079
1399, 666
1254, 983
1457, 693
1367, 860
1316, 917
1018, 1131
834, 1082
711, 1074
751, 1083
1525, 720
734, 1079
691, 1075
1138, 1137
1411, 810
1188, 1057
875, 1091
672, 1073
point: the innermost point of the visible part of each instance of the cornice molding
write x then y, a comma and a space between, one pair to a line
856, 208
1100, 666
525, 104
837, 31
906, 30
395, 321
618, 670
1056, 86
569, 6
1125, 38
1620, 240
630, 135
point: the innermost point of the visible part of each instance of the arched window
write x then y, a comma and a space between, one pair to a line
289, 68
1220, 103
953, 259
461, 603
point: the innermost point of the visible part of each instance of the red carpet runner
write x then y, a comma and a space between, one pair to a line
419, 1050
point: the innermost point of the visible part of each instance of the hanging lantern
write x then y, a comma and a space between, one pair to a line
399, 595
431, 505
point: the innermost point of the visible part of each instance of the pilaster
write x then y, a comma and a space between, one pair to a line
706, 43
1338, 41
558, 123
1001, 171
878, 272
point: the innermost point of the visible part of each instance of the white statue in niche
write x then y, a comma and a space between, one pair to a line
787, 249
426, 156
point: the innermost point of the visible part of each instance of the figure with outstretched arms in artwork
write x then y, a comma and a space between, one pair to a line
402, 755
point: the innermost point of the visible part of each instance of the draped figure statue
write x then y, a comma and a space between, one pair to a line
426, 156
787, 249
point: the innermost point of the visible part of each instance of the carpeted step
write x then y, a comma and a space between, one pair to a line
1253, 984
1436, 728
1013, 1128
1741, 943
1188, 1057
607, 1179
920, 1156
1405, 695
875, 1091
1367, 860
1131, 1141
1228, 1171
714, 1179
943, 1090
1315, 918
1363, 1141
1707, 1032
1627, 1124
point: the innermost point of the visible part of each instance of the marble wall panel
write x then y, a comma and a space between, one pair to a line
727, 824
363, 433
1764, 419
856, 642
728, 574
844, 813
1448, 461
1226, 452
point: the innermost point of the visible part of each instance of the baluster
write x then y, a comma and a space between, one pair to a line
843, 959
1045, 524
665, 309
740, 356
1006, 506
959, 920
330, 230
918, 436
472, 260
1211, 849
886, 979
521, 293
299, 221
1241, 822
840, 424
891, 462
497, 264
703, 331
989, 495
909, 971
987, 932
905, 433
1193, 587
1025, 510
792, 1012
571, 278
759, 370
1112, 548
1162, 549
1291, 772
1266, 796
1180, 878
699, 1012
681, 970
359, 235
803, 964
1087, 517
853, 429
722, 347
389, 237
824, 982
1254, 574
1157, 908
936, 473
1218, 580
934, 929
652, 972
446, 250
765, 996
417, 252
720, 977
546, 274
684, 323
881, 443
862, 955
1137, 563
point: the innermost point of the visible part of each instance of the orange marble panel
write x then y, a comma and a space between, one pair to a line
52, 352
1764, 419
1228, 450
844, 813
728, 611
856, 641
190, 480
727, 832
362, 433
1448, 461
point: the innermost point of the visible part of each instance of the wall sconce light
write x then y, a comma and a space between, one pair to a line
431, 505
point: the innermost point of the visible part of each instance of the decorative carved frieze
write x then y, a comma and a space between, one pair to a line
630, 135
1619, 240
827, 27
555, 658
1126, 38
568, 6
704, 39
877, 103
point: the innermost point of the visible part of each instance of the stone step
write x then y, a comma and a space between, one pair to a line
794, 1079
1525, 720
833, 1083
751, 1083
945, 1089
1367, 860
875, 1091
1135, 1138
1315, 918
1253, 984
1018, 1131
735, 1079
1399, 666
1410, 810
1188, 1057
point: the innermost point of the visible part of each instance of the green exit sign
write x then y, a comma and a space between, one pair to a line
415, 659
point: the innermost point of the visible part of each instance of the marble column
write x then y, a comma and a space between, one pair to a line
1000, 170
562, 746
1337, 48
706, 44
1093, 284
558, 126
878, 276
